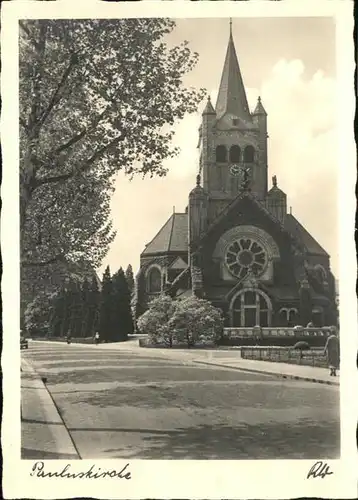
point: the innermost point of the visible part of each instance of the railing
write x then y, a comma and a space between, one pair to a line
257, 332
312, 357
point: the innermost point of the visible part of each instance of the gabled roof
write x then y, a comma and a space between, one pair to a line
296, 229
178, 263
172, 237
260, 206
232, 96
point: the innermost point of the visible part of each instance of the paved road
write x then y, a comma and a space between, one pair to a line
122, 404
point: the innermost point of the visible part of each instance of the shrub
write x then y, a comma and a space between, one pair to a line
155, 321
301, 346
196, 320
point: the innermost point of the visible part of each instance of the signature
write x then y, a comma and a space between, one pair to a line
38, 470
319, 469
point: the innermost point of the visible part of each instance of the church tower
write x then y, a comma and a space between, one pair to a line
236, 246
233, 140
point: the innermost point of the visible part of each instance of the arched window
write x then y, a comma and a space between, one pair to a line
283, 316
251, 308
249, 154
292, 316
235, 154
154, 280
221, 154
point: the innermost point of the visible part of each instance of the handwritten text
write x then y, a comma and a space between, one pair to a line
319, 469
38, 470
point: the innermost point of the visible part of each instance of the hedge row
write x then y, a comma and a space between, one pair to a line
282, 342
146, 343
273, 341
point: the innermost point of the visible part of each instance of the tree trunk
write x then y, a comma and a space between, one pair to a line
27, 183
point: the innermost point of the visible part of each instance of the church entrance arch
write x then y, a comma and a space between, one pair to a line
250, 307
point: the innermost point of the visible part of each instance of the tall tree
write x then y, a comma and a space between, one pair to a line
130, 279
67, 301
58, 314
106, 307
122, 313
94, 300
138, 301
75, 309
85, 300
96, 97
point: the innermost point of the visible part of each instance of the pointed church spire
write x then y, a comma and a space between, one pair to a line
259, 110
232, 96
209, 110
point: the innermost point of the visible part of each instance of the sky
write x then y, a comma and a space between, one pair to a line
290, 63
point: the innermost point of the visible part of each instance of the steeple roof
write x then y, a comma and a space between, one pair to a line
275, 191
209, 110
232, 96
259, 110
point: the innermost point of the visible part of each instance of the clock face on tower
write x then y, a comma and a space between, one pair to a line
242, 173
236, 170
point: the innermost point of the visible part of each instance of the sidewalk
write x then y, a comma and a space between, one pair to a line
43, 433
284, 370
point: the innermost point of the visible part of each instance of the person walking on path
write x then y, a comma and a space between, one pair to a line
96, 338
331, 350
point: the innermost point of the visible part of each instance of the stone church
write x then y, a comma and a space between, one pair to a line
235, 245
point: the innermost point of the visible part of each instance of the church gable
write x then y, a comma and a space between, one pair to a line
246, 234
246, 210
176, 268
178, 264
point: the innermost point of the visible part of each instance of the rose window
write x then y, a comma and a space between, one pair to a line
244, 255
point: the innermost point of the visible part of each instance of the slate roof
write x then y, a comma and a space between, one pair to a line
296, 229
232, 95
172, 237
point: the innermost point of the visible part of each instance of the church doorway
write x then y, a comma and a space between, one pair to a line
251, 308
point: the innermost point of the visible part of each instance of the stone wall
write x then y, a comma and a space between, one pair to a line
275, 336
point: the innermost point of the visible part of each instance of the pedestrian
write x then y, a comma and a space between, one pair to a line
96, 338
331, 350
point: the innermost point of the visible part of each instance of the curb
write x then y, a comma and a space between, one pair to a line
50, 418
266, 372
